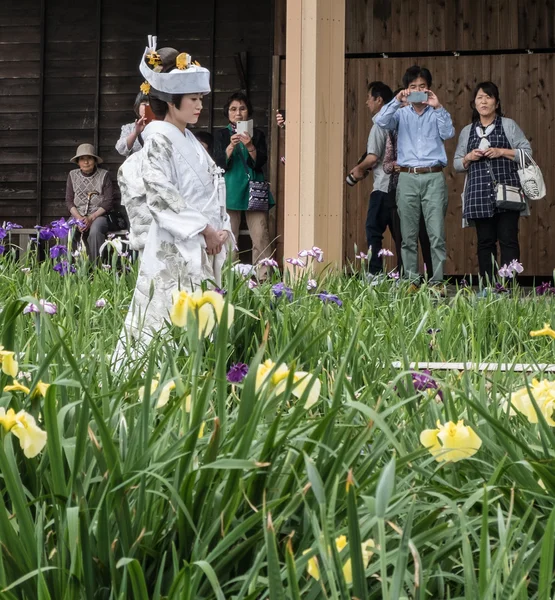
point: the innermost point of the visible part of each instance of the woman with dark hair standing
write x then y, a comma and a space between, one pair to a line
131, 140
486, 151
187, 241
243, 158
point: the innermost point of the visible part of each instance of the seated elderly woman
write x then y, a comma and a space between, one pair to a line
89, 196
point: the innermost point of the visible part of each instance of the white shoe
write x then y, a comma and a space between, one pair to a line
375, 279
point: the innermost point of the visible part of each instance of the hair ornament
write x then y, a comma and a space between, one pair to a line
183, 61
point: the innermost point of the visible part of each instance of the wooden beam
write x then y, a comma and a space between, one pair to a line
315, 116
40, 114
211, 63
274, 138
97, 83
469, 366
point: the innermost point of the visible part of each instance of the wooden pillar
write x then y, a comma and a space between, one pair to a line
315, 50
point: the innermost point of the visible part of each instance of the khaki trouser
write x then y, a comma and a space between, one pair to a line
94, 237
257, 222
426, 193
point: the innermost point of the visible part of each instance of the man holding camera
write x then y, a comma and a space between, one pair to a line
422, 126
379, 215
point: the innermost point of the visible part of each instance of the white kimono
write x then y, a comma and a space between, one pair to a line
185, 192
133, 198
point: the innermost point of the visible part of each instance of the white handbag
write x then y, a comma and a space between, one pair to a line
507, 197
531, 178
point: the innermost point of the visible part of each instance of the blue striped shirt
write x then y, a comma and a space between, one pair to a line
420, 137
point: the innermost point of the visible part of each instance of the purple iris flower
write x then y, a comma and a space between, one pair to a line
237, 373
464, 283
220, 291
57, 251
296, 262
500, 289
49, 307
515, 266
305, 253
505, 271
326, 298
545, 288
10, 226
3, 233
60, 228
424, 381
268, 262
74, 221
280, 288
45, 233
63, 268
2, 248
385, 252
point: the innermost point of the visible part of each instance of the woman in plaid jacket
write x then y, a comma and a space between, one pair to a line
486, 152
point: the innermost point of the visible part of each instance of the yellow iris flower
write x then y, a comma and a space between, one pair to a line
340, 543
545, 331
164, 396
40, 389
7, 419
32, 439
153, 387
206, 307
278, 379
9, 364
544, 395
16, 387
451, 442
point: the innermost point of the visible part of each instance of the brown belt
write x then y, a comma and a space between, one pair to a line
418, 170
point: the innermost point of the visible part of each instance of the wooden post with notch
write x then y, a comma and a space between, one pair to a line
315, 50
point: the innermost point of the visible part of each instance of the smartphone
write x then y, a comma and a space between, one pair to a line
416, 97
149, 115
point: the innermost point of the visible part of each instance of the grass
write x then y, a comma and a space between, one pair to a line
232, 492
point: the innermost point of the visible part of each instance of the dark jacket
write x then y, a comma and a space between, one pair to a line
222, 138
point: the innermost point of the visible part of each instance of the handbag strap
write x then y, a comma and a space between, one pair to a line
490, 171
523, 158
244, 164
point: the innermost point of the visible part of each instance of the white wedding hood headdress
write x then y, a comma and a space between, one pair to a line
187, 78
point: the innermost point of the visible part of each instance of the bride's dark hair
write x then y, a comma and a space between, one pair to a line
160, 107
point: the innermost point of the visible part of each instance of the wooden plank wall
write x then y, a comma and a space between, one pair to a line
527, 88
98, 45
20, 43
440, 25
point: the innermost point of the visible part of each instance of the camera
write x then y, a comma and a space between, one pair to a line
351, 180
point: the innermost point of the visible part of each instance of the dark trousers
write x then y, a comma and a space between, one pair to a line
378, 219
397, 238
502, 228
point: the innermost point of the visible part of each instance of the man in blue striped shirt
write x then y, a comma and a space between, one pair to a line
422, 128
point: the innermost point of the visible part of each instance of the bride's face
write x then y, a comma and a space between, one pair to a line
189, 110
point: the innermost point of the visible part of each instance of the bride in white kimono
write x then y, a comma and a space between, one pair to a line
190, 232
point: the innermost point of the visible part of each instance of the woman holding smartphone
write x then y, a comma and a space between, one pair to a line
131, 139
243, 158
486, 152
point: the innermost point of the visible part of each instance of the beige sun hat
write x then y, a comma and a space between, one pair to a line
86, 150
